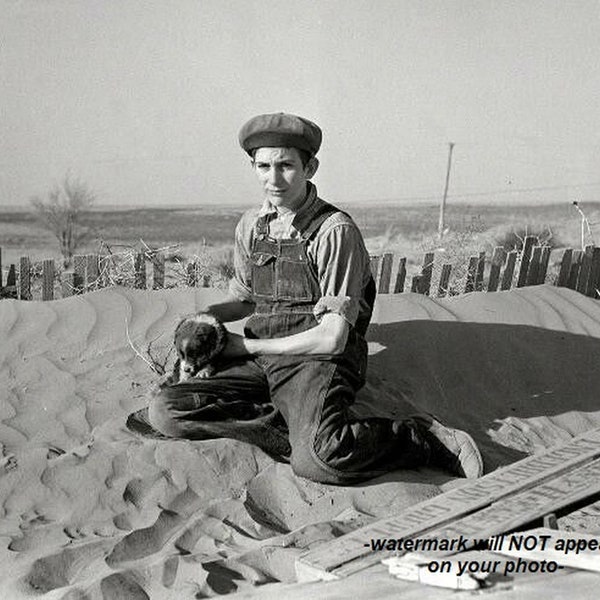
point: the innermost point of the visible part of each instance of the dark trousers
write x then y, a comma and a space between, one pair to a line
296, 408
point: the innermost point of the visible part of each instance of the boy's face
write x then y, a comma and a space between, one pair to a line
282, 175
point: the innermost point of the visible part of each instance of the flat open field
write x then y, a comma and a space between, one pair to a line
204, 235
384, 226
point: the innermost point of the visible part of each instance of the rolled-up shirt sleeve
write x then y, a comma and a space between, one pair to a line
343, 270
240, 284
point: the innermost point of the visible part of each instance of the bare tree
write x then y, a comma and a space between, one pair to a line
61, 213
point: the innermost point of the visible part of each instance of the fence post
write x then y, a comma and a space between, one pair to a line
546, 250
415, 286
140, 271
471, 274
574, 269
534, 266
48, 279
426, 273
1, 274
594, 278
400, 276
158, 271
10, 290
24, 278
92, 266
79, 279
444, 280
374, 262
525, 256
565, 268
509, 269
386, 273
584, 270
498, 258
480, 272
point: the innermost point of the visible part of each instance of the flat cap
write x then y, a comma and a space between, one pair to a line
280, 130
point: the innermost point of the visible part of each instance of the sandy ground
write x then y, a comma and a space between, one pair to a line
90, 511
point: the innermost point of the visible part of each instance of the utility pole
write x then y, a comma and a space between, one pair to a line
441, 224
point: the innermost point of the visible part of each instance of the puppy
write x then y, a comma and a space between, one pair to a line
198, 341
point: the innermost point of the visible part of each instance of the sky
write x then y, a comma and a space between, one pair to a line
143, 99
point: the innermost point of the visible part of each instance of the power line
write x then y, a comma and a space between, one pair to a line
500, 192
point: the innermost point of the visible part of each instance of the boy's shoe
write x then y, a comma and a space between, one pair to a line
139, 424
450, 449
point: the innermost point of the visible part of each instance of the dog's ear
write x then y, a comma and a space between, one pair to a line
179, 325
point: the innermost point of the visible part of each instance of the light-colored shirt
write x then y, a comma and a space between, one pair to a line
337, 250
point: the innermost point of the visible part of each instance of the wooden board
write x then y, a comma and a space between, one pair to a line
569, 549
353, 552
516, 510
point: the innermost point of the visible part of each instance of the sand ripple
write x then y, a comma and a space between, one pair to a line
90, 511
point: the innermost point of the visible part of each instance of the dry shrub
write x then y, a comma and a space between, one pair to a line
207, 266
455, 248
62, 213
157, 356
514, 239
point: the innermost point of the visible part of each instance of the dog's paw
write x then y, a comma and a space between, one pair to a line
206, 372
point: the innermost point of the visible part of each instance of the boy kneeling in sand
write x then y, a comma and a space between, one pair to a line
302, 274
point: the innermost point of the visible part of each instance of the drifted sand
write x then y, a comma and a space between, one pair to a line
90, 511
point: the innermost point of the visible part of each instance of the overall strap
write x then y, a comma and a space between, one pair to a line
261, 227
310, 221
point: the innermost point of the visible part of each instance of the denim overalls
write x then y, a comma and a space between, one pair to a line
294, 407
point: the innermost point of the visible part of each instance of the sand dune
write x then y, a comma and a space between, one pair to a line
91, 511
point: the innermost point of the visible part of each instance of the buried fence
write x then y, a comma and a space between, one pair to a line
577, 269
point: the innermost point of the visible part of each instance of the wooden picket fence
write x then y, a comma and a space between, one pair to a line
579, 270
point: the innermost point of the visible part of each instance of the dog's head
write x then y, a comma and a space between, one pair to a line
198, 340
